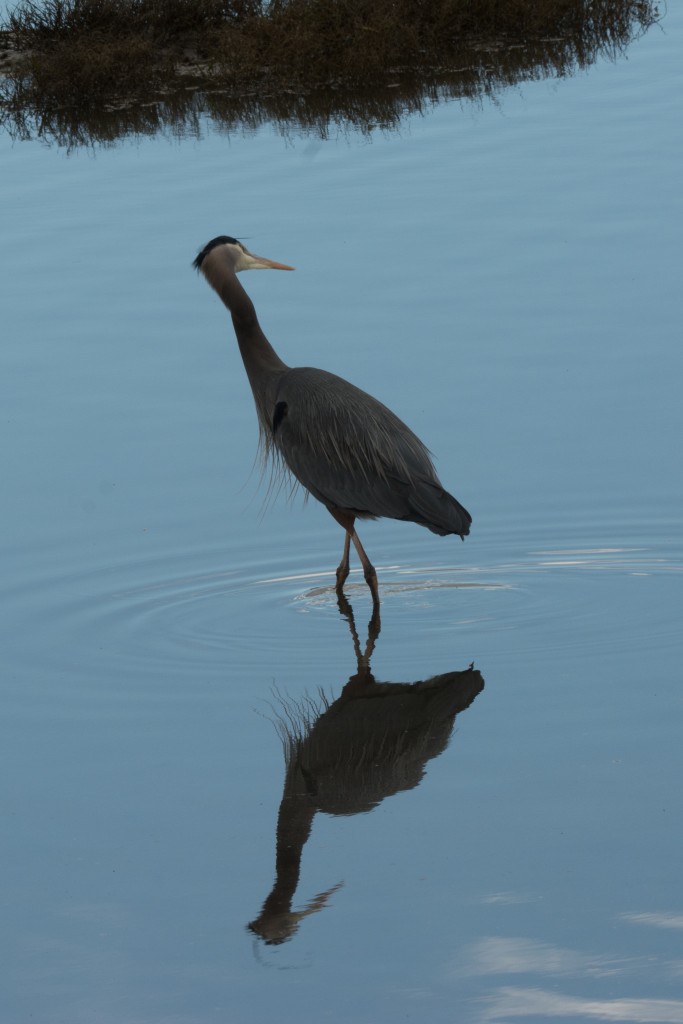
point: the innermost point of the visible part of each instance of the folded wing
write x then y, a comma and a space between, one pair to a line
352, 453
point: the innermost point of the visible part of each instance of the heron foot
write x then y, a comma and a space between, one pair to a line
371, 580
342, 576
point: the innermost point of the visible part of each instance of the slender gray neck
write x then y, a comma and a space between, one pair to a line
258, 355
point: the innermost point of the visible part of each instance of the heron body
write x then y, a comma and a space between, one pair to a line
344, 447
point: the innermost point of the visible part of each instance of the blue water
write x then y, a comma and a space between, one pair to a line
507, 278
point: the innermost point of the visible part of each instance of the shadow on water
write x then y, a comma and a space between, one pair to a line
345, 756
81, 84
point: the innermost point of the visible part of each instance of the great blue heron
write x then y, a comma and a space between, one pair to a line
346, 448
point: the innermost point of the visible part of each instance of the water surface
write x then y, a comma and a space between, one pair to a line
506, 277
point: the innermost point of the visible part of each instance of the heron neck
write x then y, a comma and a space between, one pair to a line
258, 355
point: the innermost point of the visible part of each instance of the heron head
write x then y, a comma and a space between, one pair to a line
229, 249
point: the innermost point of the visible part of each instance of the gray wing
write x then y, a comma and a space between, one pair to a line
351, 452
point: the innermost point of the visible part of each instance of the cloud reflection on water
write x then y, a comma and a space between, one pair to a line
500, 955
536, 1002
661, 919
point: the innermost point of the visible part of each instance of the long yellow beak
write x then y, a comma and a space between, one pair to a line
262, 263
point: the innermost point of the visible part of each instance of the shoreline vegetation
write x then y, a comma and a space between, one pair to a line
84, 71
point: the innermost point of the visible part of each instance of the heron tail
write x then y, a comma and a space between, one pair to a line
438, 510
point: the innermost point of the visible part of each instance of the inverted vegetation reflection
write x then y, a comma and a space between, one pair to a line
344, 756
83, 72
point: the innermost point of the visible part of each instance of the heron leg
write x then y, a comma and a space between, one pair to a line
368, 569
346, 520
343, 569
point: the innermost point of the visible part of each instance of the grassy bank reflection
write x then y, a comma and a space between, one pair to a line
86, 72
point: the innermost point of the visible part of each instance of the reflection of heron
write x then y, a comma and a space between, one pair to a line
346, 448
348, 755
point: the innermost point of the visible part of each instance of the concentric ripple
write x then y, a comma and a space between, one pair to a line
165, 613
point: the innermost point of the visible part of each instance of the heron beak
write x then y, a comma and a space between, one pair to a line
260, 263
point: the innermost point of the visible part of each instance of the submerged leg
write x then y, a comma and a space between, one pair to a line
346, 521
343, 568
368, 569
